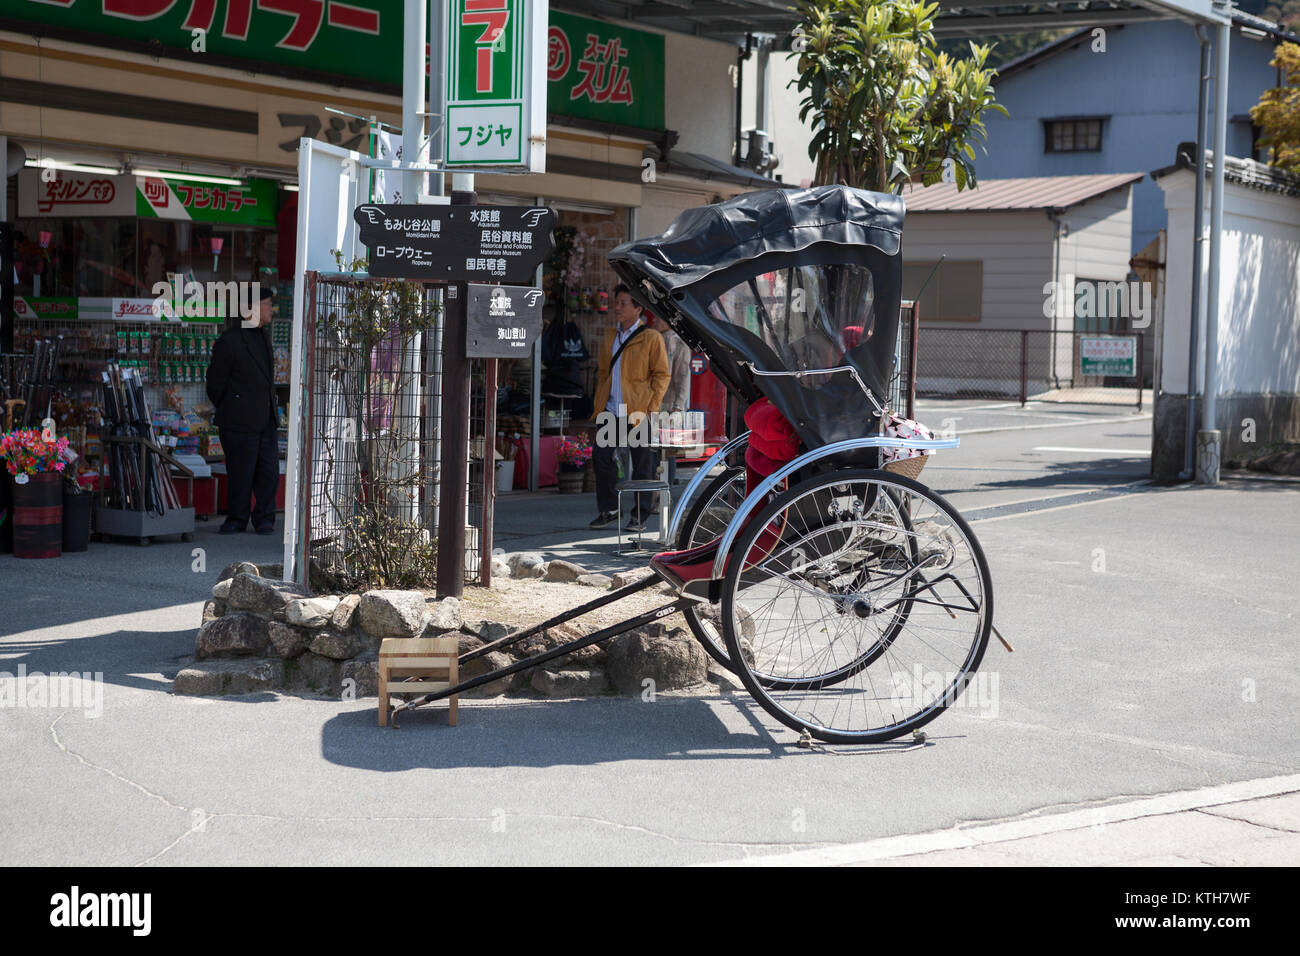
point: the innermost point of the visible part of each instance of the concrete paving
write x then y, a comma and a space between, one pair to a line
1155, 633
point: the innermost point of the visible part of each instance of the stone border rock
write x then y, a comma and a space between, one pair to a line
261, 634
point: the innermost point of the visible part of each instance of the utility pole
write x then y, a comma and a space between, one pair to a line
454, 477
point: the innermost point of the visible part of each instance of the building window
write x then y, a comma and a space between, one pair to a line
1073, 135
952, 295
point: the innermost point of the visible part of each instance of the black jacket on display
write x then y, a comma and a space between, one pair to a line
240, 383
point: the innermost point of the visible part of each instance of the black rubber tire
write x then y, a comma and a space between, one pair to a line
693, 621
759, 689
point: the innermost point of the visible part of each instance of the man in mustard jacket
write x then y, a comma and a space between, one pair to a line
633, 388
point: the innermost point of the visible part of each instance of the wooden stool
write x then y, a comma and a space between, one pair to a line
432, 661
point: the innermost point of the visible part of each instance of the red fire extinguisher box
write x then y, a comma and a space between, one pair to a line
708, 395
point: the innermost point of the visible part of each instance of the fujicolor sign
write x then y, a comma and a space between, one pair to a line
361, 38
250, 204
29, 307
254, 203
496, 84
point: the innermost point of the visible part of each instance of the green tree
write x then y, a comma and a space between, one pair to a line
1285, 12
887, 105
1278, 112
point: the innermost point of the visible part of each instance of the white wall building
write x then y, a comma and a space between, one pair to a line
1258, 353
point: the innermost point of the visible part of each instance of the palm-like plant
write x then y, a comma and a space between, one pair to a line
887, 105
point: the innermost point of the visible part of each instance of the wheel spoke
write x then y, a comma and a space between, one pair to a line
852, 627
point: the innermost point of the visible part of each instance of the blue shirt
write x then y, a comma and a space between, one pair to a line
615, 378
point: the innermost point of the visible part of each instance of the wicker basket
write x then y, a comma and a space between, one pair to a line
907, 467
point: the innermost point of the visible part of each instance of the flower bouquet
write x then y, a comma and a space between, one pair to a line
28, 452
574, 454
36, 463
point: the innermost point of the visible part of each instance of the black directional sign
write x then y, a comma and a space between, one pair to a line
502, 321
456, 243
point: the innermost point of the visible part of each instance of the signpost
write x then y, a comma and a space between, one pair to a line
460, 243
454, 244
501, 321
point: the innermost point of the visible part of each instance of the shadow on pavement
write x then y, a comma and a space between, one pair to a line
120, 656
121, 578
547, 733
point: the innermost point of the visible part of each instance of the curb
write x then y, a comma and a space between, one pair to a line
957, 838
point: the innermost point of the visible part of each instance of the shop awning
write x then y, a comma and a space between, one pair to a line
706, 167
732, 19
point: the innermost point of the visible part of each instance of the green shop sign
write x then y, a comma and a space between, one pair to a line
494, 81
603, 72
254, 203
77, 194
361, 38
595, 70
29, 308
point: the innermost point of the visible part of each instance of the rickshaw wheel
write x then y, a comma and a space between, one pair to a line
708, 520
814, 598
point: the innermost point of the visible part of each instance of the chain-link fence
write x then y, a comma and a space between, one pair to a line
371, 436
1025, 365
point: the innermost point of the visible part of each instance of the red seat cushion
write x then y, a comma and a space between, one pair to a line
696, 563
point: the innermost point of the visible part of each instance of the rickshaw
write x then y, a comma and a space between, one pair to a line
853, 603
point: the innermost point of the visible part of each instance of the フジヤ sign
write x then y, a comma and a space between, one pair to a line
502, 321
456, 243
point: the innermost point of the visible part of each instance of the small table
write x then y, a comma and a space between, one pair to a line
564, 420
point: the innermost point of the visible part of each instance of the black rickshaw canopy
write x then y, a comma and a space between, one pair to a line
783, 281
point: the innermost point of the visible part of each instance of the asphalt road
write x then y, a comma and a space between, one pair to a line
1155, 635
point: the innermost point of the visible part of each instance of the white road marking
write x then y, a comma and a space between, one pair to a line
1028, 501
1137, 452
1078, 504
955, 838
1071, 423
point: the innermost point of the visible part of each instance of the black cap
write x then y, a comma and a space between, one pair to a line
267, 293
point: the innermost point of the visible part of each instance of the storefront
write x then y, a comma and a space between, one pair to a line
198, 149
142, 272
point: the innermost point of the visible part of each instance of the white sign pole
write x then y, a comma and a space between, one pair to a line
437, 98
414, 150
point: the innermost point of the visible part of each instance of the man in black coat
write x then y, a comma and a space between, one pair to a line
241, 386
